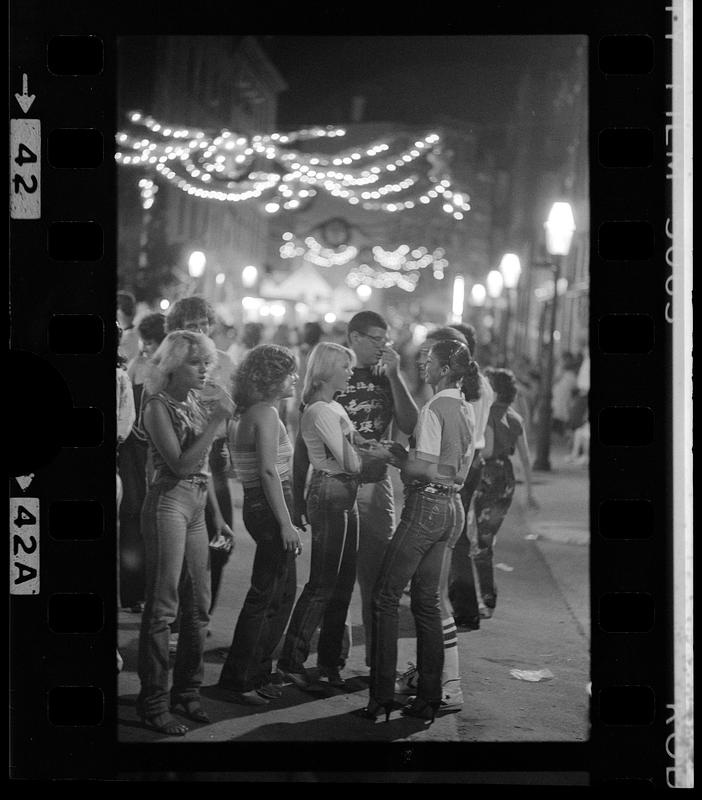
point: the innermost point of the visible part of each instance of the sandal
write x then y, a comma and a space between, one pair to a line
192, 708
166, 724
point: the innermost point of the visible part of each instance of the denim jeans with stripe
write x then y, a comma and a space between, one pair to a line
177, 575
333, 516
416, 552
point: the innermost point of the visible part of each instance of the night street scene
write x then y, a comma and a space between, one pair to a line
353, 376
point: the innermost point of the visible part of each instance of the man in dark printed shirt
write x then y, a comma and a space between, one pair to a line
376, 396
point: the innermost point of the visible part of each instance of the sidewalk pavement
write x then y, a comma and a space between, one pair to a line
542, 621
561, 527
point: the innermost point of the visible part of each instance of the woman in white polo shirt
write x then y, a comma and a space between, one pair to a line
432, 518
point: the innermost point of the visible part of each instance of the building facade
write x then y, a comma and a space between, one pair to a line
210, 83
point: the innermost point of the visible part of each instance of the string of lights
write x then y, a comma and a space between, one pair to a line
399, 267
219, 166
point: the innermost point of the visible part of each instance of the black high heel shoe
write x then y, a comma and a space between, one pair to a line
375, 707
422, 709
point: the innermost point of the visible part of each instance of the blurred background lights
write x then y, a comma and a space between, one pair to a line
494, 283
364, 291
249, 275
196, 263
478, 294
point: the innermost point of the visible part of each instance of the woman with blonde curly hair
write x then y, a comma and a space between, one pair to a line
180, 431
261, 455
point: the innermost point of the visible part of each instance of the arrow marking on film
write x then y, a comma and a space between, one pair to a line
25, 100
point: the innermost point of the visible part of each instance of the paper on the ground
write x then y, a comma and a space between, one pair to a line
534, 676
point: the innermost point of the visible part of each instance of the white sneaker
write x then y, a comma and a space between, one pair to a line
451, 696
407, 682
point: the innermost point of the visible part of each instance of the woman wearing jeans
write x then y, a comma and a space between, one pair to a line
432, 518
180, 431
333, 515
261, 456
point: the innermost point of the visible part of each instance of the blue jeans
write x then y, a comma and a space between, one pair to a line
177, 573
416, 552
270, 599
333, 516
376, 513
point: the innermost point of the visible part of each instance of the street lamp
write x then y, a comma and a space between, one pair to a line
196, 263
459, 288
560, 227
511, 269
494, 283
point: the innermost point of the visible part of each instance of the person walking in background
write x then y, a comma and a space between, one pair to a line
375, 397
133, 469
180, 431
432, 519
564, 388
493, 498
196, 314
329, 437
251, 336
126, 311
261, 455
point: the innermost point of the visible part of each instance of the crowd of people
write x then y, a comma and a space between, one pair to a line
312, 430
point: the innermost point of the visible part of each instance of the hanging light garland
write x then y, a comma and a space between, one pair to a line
220, 167
399, 267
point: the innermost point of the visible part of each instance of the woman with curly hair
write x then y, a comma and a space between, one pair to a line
432, 520
180, 430
261, 456
493, 497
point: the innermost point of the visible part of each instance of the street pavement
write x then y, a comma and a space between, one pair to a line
540, 629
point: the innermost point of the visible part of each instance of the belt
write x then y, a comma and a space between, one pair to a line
196, 480
433, 488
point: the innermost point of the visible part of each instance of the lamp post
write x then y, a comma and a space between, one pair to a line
459, 288
511, 269
494, 282
560, 227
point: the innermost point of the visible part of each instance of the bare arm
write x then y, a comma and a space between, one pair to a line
224, 539
523, 450
404, 407
300, 468
266, 424
417, 469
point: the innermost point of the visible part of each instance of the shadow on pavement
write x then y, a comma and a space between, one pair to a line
340, 727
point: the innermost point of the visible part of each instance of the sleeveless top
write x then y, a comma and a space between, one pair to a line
189, 418
246, 466
507, 427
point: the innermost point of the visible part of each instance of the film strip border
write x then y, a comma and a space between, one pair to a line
63, 277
